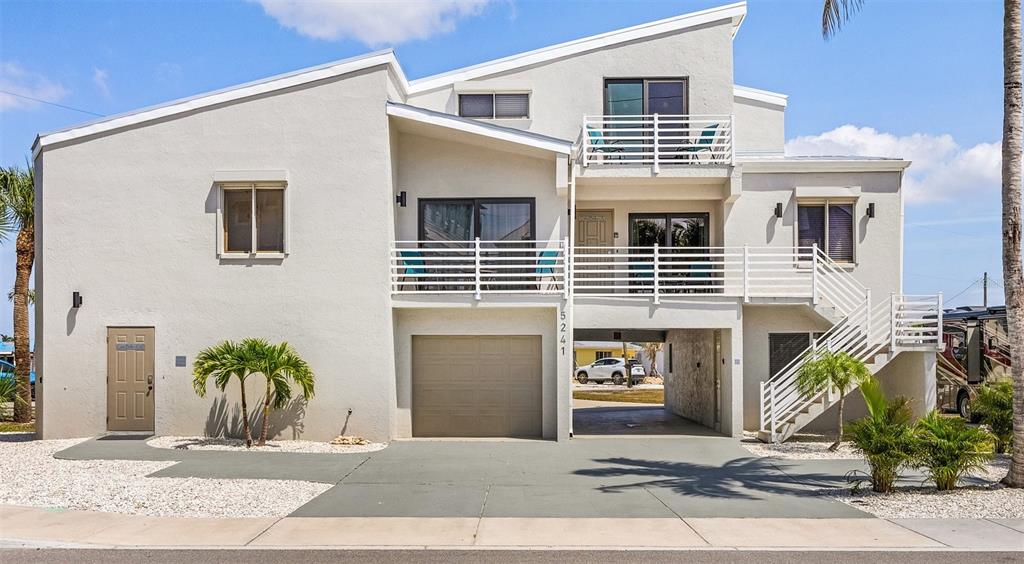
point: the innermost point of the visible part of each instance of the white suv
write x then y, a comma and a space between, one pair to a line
613, 369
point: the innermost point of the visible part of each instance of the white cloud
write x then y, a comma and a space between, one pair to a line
21, 85
375, 23
941, 170
99, 78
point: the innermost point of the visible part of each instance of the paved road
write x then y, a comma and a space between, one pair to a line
122, 556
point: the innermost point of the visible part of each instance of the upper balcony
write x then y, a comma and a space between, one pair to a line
657, 141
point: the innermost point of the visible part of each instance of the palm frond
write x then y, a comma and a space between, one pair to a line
835, 13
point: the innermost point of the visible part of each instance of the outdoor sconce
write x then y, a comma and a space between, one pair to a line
400, 199
871, 209
76, 300
778, 210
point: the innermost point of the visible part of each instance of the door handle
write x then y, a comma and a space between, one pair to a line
149, 384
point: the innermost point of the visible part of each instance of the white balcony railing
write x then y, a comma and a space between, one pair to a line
657, 140
479, 267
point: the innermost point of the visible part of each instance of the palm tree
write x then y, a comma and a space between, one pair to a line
650, 351
826, 370
279, 364
17, 213
1013, 277
835, 13
223, 362
884, 436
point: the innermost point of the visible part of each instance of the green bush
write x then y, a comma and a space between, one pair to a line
949, 449
884, 436
993, 405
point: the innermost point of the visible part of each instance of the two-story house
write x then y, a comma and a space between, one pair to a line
464, 229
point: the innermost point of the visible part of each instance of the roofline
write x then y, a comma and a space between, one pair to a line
492, 131
837, 164
230, 94
737, 12
766, 96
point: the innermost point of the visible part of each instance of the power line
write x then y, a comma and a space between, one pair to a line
50, 103
971, 285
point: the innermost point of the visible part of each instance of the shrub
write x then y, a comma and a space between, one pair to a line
993, 405
884, 436
948, 448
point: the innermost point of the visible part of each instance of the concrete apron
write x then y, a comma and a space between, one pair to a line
29, 526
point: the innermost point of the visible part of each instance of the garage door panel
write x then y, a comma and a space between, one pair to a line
477, 386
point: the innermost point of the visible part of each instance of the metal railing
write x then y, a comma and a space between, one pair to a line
479, 267
657, 140
898, 323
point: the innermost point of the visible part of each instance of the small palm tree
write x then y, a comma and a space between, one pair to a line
824, 370
17, 214
280, 365
650, 351
948, 448
993, 404
223, 362
885, 436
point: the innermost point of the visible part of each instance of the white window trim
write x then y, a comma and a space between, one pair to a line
825, 202
252, 186
492, 93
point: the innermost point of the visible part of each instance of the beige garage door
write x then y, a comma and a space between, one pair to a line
476, 386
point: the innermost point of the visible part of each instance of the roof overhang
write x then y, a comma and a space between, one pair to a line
227, 95
787, 165
422, 121
764, 96
734, 12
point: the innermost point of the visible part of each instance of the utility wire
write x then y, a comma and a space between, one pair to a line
972, 284
50, 103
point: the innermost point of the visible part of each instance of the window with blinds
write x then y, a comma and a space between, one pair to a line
494, 106
783, 348
829, 225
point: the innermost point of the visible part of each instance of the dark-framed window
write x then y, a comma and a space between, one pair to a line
673, 229
784, 347
490, 219
830, 224
514, 105
635, 96
600, 355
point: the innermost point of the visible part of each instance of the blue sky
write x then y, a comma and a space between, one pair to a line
919, 79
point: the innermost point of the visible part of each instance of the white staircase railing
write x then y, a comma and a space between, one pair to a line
895, 324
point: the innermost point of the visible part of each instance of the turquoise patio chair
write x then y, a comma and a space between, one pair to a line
546, 261
412, 265
599, 143
704, 142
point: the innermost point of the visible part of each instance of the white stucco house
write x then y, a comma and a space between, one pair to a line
464, 229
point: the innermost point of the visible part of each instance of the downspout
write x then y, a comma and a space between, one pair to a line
572, 291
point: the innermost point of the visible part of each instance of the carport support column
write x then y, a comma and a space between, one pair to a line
732, 380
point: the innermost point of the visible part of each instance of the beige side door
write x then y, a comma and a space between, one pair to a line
476, 386
130, 360
594, 228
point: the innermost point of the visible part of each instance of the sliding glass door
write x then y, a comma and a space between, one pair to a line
682, 240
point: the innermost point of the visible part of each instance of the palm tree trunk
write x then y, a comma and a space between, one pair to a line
266, 416
1013, 278
839, 429
25, 250
245, 417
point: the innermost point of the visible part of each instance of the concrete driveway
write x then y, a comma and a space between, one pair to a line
692, 476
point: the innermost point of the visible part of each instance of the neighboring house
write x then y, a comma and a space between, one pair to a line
586, 352
465, 229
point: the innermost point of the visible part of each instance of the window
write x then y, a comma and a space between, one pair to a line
494, 106
253, 218
783, 348
830, 225
602, 354
490, 219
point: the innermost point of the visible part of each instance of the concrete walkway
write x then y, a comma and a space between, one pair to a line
35, 527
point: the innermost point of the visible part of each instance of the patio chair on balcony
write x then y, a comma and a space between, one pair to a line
413, 265
600, 144
546, 261
706, 142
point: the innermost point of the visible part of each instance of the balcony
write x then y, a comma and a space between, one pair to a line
477, 268
657, 140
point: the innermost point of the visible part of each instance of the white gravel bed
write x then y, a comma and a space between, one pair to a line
987, 501
31, 476
238, 445
800, 447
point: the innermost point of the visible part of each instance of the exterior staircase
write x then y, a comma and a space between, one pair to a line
874, 332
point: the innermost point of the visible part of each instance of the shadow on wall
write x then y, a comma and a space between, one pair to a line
221, 423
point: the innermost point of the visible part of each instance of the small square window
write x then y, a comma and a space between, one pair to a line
253, 219
476, 105
830, 225
495, 106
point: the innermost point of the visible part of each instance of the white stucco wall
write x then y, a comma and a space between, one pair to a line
484, 321
562, 91
759, 127
128, 219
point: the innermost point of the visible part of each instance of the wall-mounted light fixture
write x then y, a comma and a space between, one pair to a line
778, 210
76, 300
400, 199
871, 209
